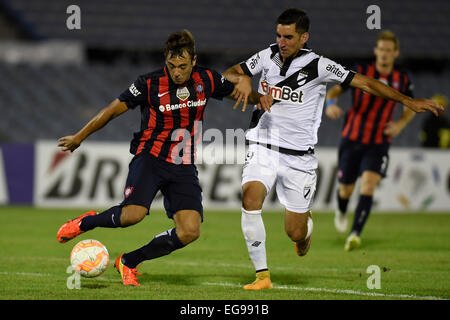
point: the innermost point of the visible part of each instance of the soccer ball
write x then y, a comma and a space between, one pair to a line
89, 258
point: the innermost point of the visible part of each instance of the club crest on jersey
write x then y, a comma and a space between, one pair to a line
128, 191
183, 93
283, 94
302, 76
199, 88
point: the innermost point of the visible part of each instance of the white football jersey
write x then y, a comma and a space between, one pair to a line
298, 88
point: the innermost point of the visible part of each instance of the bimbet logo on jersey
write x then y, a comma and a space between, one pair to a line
284, 94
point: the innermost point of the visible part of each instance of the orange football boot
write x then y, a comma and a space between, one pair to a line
262, 282
129, 275
71, 228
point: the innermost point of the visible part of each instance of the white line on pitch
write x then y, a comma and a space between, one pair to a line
340, 291
281, 287
31, 274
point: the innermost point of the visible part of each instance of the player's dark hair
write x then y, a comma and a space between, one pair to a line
178, 42
297, 16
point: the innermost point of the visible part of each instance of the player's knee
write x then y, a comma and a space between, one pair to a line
188, 234
251, 202
369, 183
368, 189
132, 215
187, 224
345, 191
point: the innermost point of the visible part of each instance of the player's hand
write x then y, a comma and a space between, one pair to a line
265, 103
68, 143
422, 105
392, 129
333, 111
241, 91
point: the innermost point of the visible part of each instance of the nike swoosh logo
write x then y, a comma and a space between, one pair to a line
162, 94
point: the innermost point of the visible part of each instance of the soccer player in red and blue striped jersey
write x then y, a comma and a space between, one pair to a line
172, 102
367, 133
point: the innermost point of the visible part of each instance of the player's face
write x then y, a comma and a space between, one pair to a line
385, 53
180, 66
289, 40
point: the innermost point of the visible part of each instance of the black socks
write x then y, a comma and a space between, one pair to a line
161, 245
362, 213
342, 203
107, 219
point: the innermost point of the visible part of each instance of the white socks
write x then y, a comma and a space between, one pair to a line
255, 237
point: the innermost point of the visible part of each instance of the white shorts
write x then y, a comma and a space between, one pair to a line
295, 176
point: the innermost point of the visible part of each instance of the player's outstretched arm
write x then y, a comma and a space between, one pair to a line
379, 89
261, 101
242, 85
70, 143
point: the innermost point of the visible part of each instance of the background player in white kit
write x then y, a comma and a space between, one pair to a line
282, 141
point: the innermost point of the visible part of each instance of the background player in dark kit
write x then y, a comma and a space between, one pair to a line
367, 134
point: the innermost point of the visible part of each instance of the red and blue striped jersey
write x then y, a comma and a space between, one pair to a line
369, 114
171, 114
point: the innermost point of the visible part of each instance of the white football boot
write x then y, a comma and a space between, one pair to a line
340, 221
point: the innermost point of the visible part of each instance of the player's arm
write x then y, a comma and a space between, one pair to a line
332, 110
379, 89
242, 85
116, 108
243, 92
260, 100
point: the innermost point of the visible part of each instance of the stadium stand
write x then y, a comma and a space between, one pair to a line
122, 39
238, 24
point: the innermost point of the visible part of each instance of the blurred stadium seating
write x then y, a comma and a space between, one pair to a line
238, 24
123, 39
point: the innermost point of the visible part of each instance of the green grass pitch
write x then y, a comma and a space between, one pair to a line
411, 250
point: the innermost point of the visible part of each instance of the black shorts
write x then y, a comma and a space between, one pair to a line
179, 184
354, 158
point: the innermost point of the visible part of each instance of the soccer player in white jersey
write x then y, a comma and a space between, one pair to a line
281, 142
